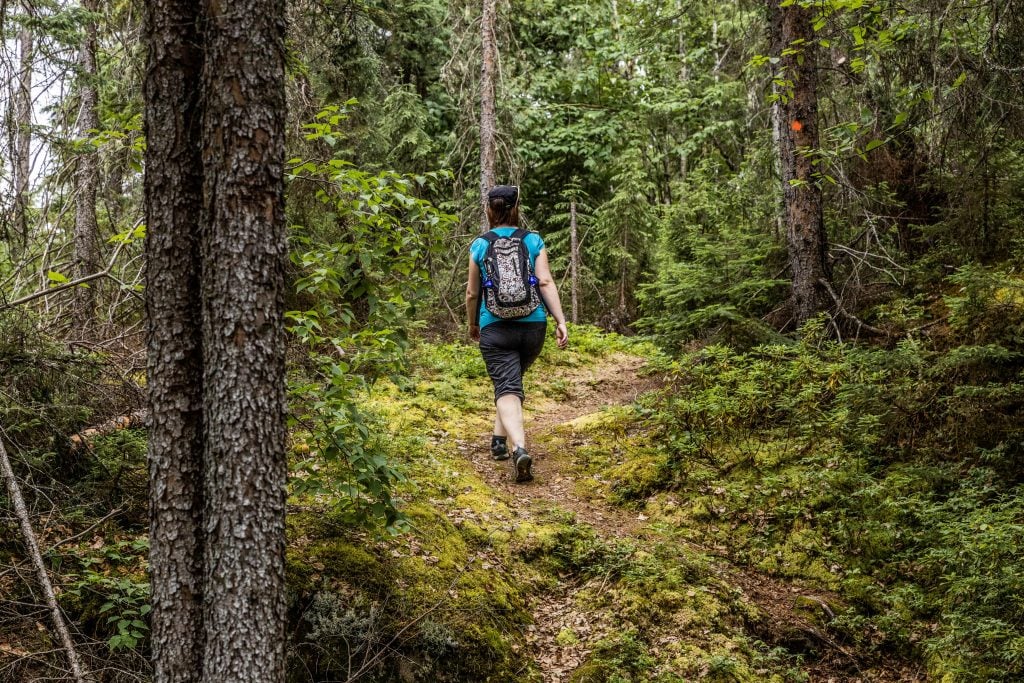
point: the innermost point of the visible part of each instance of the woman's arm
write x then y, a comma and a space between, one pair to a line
549, 293
473, 300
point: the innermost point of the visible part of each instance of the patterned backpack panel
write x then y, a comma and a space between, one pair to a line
510, 287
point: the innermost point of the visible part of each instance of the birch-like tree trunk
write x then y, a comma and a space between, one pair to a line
244, 254
22, 152
488, 117
574, 261
174, 201
87, 257
623, 273
684, 77
775, 67
798, 110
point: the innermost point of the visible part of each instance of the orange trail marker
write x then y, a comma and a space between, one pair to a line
797, 126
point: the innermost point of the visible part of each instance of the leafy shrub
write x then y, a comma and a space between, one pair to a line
360, 273
113, 577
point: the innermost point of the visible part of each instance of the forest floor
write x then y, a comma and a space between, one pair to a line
569, 619
596, 571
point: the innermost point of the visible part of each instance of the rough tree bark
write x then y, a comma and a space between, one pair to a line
22, 152
215, 299
87, 256
244, 254
574, 256
488, 120
173, 198
798, 110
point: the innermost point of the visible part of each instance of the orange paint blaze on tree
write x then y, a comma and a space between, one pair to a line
797, 126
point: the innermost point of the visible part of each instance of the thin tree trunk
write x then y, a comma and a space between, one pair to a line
173, 197
779, 223
86, 226
775, 49
32, 546
624, 273
488, 119
684, 77
244, 254
805, 229
22, 152
574, 258
714, 44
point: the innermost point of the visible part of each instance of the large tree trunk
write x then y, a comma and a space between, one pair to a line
574, 262
798, 110
87, 256
215, 297
244, 252
174, 200
488, 124
22, 152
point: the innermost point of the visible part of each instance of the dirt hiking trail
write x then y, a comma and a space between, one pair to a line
618, 380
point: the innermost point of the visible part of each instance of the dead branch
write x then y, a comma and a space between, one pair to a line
113, 513
32, 545
850, 316
106, 272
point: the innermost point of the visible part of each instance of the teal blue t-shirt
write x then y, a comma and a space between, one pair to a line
478, 249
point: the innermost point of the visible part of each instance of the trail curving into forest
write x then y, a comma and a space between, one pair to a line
611, 382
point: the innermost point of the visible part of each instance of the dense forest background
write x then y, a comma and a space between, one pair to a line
859, 431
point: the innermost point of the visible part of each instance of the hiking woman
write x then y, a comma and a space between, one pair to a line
511, 331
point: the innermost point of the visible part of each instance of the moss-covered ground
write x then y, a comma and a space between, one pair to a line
593, 572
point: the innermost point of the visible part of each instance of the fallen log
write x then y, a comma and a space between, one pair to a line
83, 439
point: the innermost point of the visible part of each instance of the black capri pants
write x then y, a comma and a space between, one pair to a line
509, 348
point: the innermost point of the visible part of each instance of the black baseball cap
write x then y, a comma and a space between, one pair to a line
510, 193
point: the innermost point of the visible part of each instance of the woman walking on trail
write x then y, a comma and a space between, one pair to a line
509, 266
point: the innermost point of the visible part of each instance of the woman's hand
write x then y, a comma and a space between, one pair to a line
474, 332
562, 334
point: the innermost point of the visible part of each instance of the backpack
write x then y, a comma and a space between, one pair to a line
510, 287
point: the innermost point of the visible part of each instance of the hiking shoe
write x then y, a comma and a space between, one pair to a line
499, 451
524, 464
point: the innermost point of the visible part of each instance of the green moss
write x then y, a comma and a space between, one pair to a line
477, 563
340, 558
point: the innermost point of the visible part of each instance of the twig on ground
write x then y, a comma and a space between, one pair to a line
32, 545
113, 513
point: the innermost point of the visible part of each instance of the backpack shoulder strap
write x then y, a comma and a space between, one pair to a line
490, 237
520, 233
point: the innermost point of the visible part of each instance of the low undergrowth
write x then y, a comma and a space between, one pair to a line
446, 595
892, 477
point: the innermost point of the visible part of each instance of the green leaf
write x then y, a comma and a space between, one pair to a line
56, 277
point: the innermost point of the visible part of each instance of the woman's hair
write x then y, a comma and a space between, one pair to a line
500, 212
